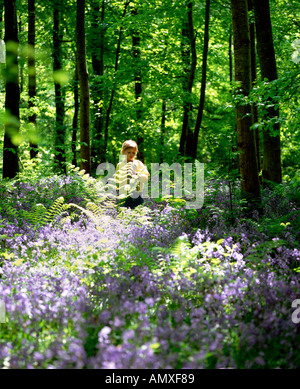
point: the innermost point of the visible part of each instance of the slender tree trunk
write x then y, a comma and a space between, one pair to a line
271, 144
189, 57
203, 82
85, 150
253, 81
245, 138
110, 104
1, 18
185, 53
2, 46
32, 74
75, 116
59, 144
136, 42
12, 97
233, 161
97, 144
230, 59
163, 129
21, 60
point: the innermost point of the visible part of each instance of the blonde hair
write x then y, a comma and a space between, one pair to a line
129, 144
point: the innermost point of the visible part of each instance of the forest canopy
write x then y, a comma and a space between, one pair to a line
145, 64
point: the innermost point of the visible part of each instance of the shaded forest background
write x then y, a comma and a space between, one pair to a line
149, 66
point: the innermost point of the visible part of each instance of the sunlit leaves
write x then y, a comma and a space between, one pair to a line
61, 77
296, 54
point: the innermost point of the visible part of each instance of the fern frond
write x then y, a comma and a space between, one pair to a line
36, 214
57, 208
40, 216
95, 209
87, 212
180, 246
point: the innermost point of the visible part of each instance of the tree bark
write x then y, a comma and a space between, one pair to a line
250, 188
110, 104
271, 144
20, 59
97, 144
136, 42
189, 57
12, 97
75, 116
253, 81
203, 83
1, 17
230, 59
85, 150
163, 129
32, 73
59, 143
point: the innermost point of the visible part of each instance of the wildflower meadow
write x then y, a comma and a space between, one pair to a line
88, 284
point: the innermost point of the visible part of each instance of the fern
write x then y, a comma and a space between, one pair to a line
57, 208
39, 216
93, 212
125, 181
8, 210
36, 215
95, 209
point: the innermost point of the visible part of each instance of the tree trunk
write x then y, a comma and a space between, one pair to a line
12, 97
253, 81
230, 59
271, 144
163, 129
21, 58
203, 83
59, 143
110, 104
189, 57
97, 144
1, 18
245, 137
32, 74
136, 42
75, 116
85, 150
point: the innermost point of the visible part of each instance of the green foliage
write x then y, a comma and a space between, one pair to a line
262, 253
159, 26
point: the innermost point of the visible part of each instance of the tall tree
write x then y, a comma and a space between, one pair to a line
254, 79
21, 59
194, 143
112, 94
32, 75
59, 143
75, 116
85, 149
189, 57
1, 17
230, 58
271, 135
97, 52
163, 129
2, 44
136, 43
12, 97
245, 137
